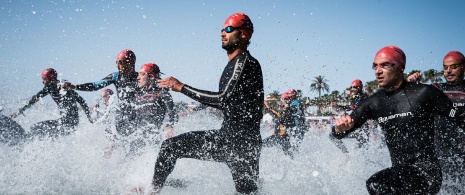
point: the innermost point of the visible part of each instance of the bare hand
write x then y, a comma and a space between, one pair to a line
344, 123
171, 83
169, 131
414, 77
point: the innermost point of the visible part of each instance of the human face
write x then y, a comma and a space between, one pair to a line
453, 76
46, 81
143, 79
104, 99
387, 74
230, 41
355, 89
125, 67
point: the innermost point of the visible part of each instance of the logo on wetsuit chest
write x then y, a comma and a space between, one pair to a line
238, 70
458, 104
385, 119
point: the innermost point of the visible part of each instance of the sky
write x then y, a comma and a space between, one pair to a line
294, 41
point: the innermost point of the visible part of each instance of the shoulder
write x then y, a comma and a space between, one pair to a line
112, 76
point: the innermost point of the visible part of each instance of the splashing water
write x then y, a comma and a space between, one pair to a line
75, 164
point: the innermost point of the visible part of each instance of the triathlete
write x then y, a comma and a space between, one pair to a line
405, 111
152, 104
125, 82
284, 122
66, 101
240, 97
450, 139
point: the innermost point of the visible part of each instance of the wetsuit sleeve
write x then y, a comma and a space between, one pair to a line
360, 115
204, 97
34, 99
173, 115
94, 86
444, 107
227, 86
83, 104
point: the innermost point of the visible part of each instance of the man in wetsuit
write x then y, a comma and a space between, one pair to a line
66, 101
11, 133
240, 97
356, 96
125, 82
153, 103
449, 138
405, 111
284, 122
297, 111
97, 111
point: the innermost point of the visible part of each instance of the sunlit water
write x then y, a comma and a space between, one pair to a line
75, 164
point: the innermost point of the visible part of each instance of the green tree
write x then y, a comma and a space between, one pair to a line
433, 76
371, 87
319, 84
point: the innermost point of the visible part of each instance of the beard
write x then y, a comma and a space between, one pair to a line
232, 44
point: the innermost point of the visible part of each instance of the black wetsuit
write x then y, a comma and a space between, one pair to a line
126, 89
406, 116
284, 121
450, 142
66, 102
11, 133
238, 142
360, 135
151, 107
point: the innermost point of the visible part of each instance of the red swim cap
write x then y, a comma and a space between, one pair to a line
394, 54
50, 74
150, 68
243, 21
285, 96
357, 82
127, 55
291, 93
455, 55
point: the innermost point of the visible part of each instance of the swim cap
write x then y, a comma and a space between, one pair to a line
357, 82
50, 74
150, 68
285, 96
127, 55
394, 54
455, 55
106, 92
243, 21
291, 93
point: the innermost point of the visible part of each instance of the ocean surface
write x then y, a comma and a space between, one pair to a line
75, 164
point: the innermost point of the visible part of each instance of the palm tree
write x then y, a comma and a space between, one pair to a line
319, 84
371, 86
433, 76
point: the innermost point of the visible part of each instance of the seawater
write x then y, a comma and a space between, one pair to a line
75, 164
